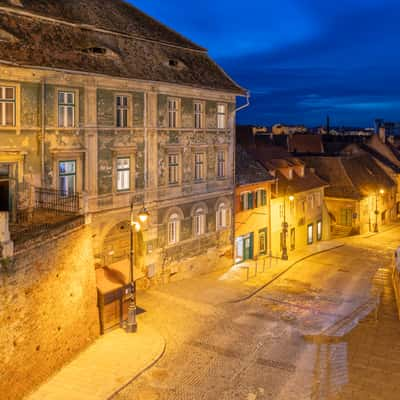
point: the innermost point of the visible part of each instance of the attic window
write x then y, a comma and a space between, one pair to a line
95, 51
174, 63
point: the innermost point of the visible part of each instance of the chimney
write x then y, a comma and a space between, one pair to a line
382, 134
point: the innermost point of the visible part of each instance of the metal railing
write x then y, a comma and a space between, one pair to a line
57, 200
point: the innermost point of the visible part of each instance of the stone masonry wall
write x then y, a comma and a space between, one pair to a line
48, 310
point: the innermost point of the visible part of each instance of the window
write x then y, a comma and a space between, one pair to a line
246, 200
221, 116
221, 164
318, 202
66, 109
319, 230
222, 217
67, 177
262, 239
173, 169
199, 166
261, 198
198, 115
7, 106
310, 201
199, 222
310, 234
122, 111
173, 229
123, 174
293, 239
172, 113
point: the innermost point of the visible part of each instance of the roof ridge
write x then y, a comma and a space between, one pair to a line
199, 48
94, 28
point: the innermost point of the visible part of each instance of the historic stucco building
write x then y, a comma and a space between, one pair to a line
103, 104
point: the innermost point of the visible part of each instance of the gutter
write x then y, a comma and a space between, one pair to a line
43, 132
233, 114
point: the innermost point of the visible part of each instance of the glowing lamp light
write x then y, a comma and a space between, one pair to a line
144, 215
291, 198
382, 191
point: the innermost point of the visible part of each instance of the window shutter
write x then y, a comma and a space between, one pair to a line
251, 204
264, 197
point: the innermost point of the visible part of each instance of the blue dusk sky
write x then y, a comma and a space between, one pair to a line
300, 59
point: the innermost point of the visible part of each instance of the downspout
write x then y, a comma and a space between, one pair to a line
145, 113
233, 218
43, 133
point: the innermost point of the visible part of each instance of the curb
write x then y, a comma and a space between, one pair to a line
252, 294
140, 373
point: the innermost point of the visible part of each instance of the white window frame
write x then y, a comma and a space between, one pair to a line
259, 197
173, 113
122, 111
4, 101
173, 169
221, 164
199, 115
66, 175
222, 216
310, 238
64, 106
124, 173
319, 231
199, 166
199, 222
173, 229
221, 116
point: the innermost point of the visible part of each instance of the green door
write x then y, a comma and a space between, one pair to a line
248, 247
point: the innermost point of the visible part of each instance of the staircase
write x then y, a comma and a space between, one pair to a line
339, 231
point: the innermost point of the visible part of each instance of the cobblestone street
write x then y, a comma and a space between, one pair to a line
314, 333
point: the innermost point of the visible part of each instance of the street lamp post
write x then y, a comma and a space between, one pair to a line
285, 227
131, 325
381, 191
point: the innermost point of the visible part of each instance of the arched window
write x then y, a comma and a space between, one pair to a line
222, 216
199, 222
174, 225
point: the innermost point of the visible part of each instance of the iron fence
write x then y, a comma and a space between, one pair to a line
57, 200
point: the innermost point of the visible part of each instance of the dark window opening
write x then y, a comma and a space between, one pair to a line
95, 50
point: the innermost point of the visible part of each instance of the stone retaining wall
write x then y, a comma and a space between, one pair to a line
48, 310
396, 283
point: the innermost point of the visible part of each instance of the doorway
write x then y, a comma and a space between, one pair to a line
244, 247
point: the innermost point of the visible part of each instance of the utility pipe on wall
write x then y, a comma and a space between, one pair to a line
43, 132
233, 119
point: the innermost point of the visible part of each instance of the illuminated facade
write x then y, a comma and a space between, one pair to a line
121, 110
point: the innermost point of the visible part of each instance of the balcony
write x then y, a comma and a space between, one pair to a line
40, 212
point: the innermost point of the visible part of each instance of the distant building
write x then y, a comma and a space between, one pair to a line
298, 214
280, 129
389, 128
360, 195
252, 207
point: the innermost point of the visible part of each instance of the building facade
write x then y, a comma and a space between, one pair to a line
121, 111
252, 208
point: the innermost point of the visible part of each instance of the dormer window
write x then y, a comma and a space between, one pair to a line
174, 63
290, 173
98, 51
95, 50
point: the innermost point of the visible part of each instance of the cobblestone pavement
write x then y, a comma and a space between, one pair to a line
313, 334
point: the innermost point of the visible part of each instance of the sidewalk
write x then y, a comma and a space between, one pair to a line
107, 366
261, 275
